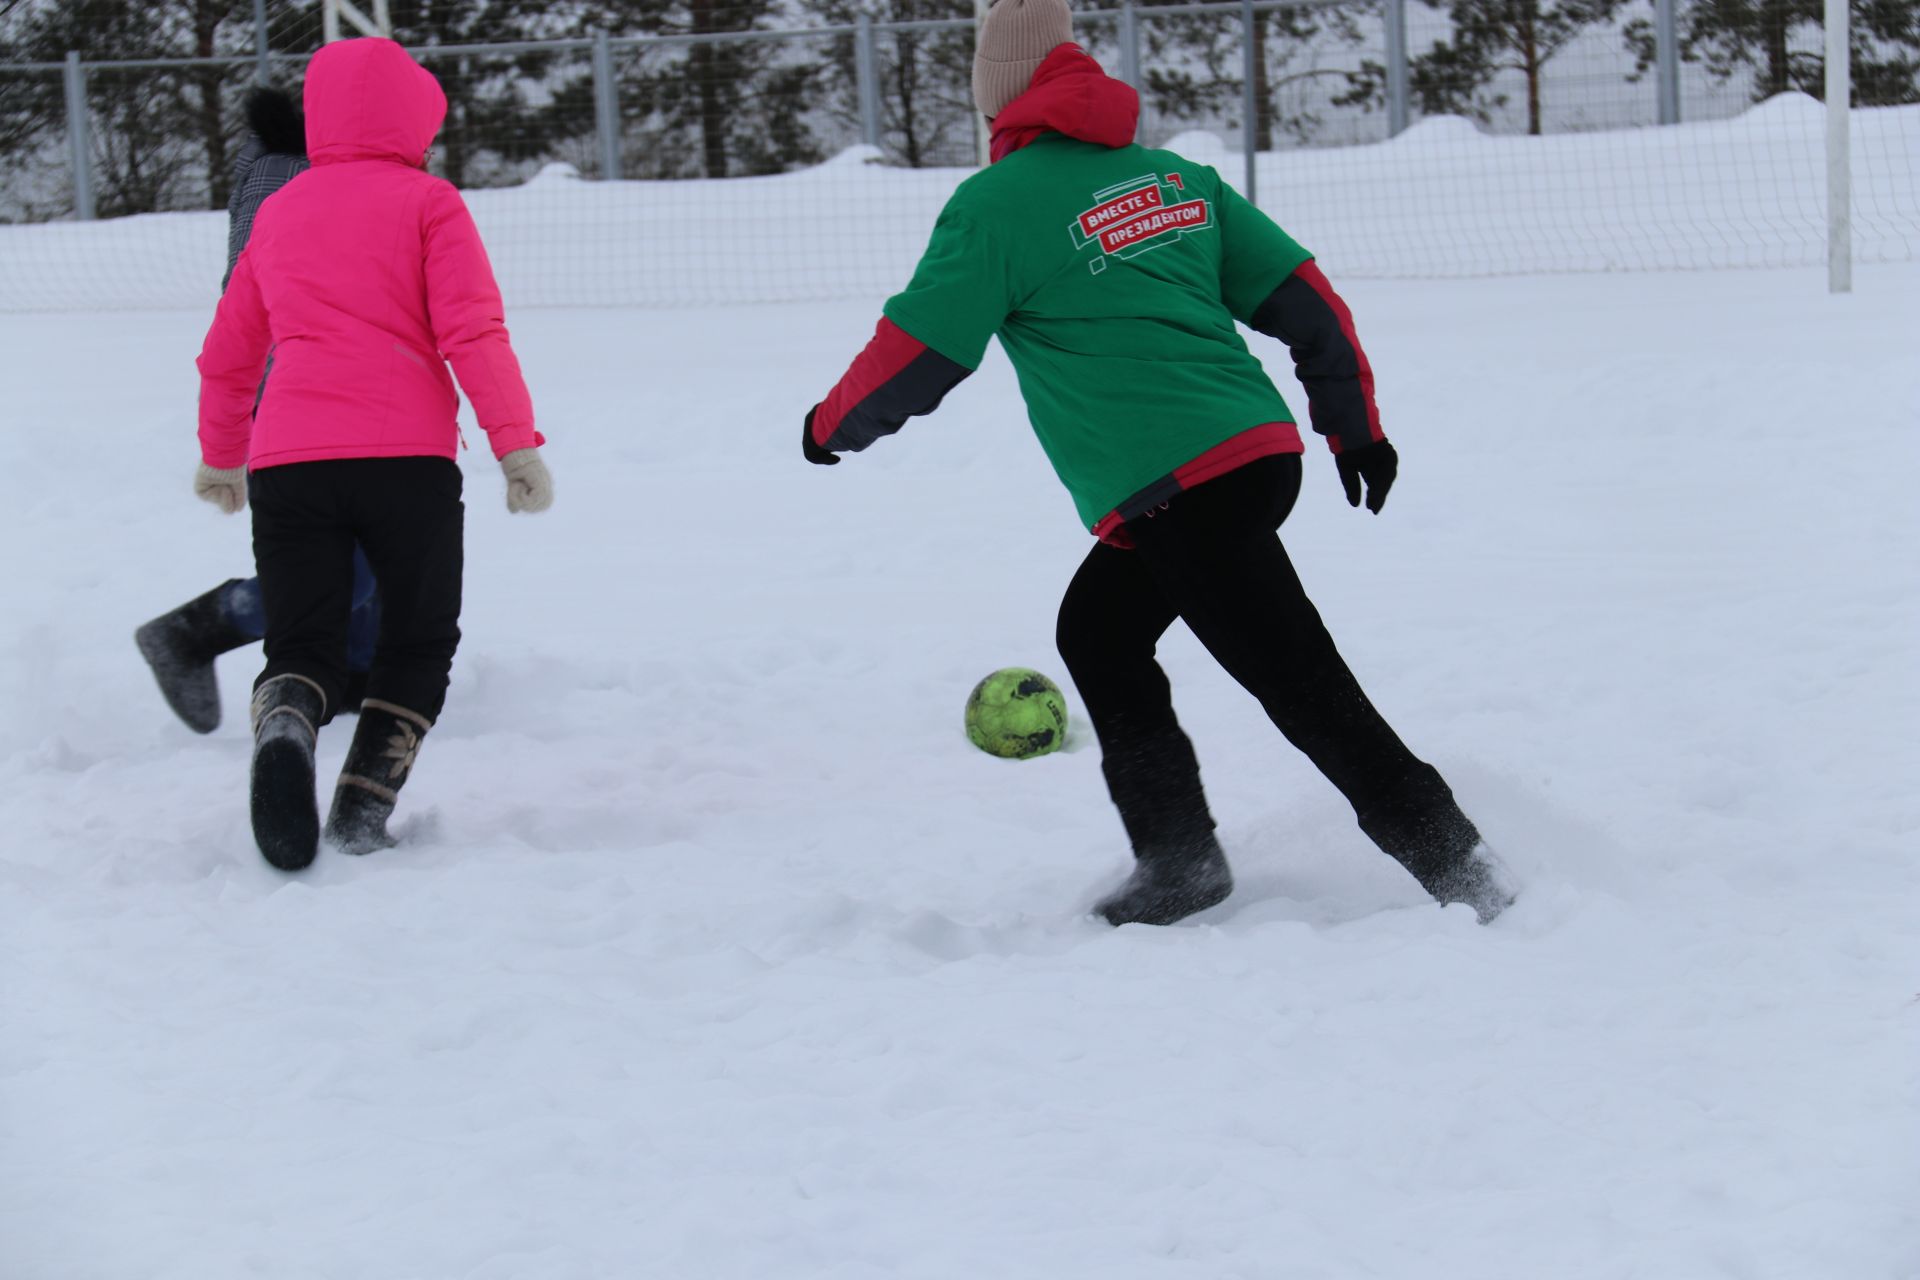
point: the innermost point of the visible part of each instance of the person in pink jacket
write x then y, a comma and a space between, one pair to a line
325, 399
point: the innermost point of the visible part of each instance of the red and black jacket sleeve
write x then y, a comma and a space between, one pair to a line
1307, 315
897, 377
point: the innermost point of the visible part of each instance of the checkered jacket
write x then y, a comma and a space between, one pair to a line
257, 174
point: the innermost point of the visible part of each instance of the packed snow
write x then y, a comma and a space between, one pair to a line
714, 949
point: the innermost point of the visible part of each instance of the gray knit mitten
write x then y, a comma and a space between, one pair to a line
529, 486
225, 489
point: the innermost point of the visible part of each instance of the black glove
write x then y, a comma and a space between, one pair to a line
815, 454
1375, 463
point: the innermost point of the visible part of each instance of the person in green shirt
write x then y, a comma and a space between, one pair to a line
1114, 276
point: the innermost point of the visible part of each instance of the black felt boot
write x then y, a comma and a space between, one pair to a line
180, 647
1179, 868
1480, 880
385, 743
287, 712
353, 693
1425, 831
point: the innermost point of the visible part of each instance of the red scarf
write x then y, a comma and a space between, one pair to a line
1070, 94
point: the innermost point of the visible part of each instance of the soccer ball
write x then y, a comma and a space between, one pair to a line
1017, 713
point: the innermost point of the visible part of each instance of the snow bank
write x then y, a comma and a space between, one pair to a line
1440, 200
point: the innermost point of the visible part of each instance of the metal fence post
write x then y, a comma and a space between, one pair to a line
606, 107
79, 150
1666, 52
1396, 16
263, 68
866, 71
1130, 44
1249, 103
1130, 56
982, 131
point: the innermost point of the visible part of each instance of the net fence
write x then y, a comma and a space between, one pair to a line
686, 152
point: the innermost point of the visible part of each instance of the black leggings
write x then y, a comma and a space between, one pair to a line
407, 515
1212, 558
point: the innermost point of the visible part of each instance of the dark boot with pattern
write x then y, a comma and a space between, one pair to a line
180, 647
1426, 832
385, 743
1179, 867
287, 712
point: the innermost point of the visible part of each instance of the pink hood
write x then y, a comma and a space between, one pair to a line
368, 100
364, 279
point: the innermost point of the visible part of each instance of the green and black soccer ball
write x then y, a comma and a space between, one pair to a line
1017, 713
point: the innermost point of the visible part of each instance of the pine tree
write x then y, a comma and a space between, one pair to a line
711, 109
161, 138
1197, 68
1779, 43
1492, 36
493, 125
925, 79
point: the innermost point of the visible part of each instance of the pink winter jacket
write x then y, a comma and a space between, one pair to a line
364, 278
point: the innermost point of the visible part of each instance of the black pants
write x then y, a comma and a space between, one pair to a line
1212, 558
407, 515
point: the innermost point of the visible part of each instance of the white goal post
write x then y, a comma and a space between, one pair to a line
1839, 90
333, 11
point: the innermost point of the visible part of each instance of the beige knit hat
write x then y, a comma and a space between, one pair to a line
1014, 40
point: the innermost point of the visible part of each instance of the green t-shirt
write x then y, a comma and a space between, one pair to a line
1113, 277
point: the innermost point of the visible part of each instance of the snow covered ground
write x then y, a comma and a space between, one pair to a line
716, 951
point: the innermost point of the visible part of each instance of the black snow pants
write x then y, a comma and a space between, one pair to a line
1211, 556
407, 515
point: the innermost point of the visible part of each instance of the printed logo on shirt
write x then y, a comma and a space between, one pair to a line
1136, 216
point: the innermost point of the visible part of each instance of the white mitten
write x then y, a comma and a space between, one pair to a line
226, 489
529, 487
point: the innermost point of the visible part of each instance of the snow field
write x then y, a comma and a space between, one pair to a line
715, 950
